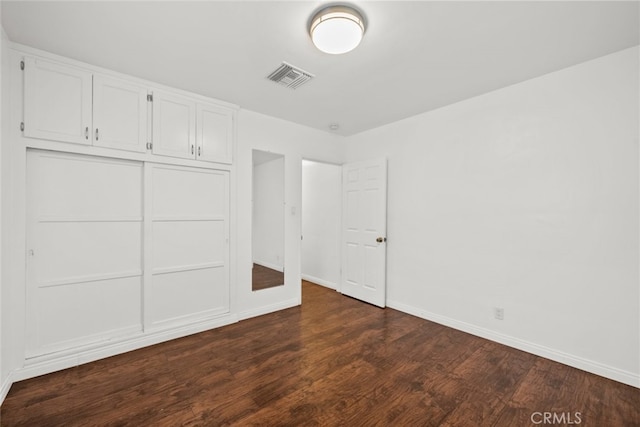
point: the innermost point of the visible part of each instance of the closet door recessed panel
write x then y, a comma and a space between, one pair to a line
188, 244
191, 295
189, 193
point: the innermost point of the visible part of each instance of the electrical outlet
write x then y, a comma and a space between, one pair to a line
498, 313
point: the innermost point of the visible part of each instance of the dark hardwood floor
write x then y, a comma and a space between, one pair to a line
334, 361
264, 277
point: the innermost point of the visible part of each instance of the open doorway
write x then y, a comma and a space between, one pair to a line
321, 223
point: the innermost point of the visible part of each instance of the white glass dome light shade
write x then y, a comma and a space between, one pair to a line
337, 29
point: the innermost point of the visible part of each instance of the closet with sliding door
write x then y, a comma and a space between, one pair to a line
127, 210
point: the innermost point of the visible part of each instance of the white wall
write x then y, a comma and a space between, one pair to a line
295, 142
321, 220
11, 242
525, 198
268, 214
4, 375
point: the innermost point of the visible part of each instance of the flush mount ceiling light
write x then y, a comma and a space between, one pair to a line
336, 29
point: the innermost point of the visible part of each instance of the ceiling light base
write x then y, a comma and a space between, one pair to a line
337, 29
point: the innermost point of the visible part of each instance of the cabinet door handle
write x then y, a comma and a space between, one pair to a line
192, 149
86, 132
96, 134
199, 151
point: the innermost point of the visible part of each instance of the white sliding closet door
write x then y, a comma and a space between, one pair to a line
84, 250
189, 241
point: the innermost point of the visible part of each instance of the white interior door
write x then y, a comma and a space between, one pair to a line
364, 227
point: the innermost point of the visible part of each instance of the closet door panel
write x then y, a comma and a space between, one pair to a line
85, 313
188, 244
82, 187
92, 250
189, 193
188, 296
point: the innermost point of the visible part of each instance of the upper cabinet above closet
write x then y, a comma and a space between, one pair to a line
69, 104
119, 114
188, 129
174, 125
57, 102
214, 134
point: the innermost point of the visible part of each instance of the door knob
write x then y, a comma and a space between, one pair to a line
381, 239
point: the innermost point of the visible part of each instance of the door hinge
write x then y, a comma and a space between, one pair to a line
149, 145
150, 97
21, 126
22, 65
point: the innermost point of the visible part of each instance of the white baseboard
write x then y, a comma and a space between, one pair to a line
318, 281
268, 309
275, 267
597, 368
47, 364
5, 387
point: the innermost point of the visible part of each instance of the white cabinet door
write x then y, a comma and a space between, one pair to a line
174, 125
214, 135
119, 114
57, 102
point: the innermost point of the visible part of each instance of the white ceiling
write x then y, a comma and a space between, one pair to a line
415, 56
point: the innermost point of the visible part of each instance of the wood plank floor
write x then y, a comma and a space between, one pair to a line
334, 361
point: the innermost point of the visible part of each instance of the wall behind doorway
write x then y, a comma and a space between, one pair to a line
321, 219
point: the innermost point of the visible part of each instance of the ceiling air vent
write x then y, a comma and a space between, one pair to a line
290, 76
